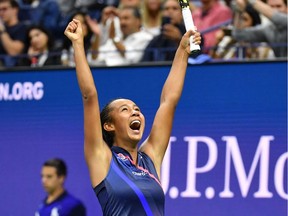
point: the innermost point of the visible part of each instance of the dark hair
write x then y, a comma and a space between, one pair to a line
105, 117
59, 164
256, 20
44, 30
135, 11
13, 3
78, 12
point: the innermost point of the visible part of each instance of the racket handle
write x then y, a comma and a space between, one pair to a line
189, 25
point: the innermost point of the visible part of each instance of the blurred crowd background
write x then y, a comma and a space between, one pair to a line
125, 32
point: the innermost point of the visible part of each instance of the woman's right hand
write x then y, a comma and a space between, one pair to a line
74, 31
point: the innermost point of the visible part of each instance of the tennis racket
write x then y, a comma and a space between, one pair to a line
189, 24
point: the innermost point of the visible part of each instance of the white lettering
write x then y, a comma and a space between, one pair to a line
17, 91
192, 168
38, 91
261, 161
4, 91
279, 175
21, 91
262, 155
27, 91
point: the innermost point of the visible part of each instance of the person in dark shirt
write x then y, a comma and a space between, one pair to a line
12, 33
58, 201
163, 46
274, 33
125, 175
40, 49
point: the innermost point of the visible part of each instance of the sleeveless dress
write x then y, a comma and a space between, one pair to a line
130, 189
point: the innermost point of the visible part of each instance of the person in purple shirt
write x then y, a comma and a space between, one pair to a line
125, 178
58, 201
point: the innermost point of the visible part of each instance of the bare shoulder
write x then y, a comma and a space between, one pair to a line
99, 164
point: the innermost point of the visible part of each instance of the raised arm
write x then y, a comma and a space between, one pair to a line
258, 5
156, 144
12, 47
97, 153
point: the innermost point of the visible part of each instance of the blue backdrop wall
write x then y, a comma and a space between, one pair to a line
228, 149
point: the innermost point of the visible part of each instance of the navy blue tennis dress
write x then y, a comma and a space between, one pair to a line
129, 189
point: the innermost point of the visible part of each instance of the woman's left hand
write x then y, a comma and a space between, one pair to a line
185, 42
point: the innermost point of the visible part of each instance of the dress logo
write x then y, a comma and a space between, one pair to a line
122, 157
141, 173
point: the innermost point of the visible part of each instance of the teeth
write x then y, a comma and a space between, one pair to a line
135, 124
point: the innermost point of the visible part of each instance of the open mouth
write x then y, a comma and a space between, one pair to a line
135, 125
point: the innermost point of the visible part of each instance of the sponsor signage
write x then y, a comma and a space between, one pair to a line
227, 154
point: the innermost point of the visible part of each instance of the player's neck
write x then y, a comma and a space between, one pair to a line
132, 149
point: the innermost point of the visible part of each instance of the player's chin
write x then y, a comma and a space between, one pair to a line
136, 135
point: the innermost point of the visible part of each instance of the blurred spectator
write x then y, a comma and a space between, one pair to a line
130, 3
84, 3
163, 46
40, 48
12, 33
46, 13
58, 201
66, 7
126, 50
151, 16
209, 14
96, 3
111, 13
94, 7
229, 48
67, 56
275, 33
